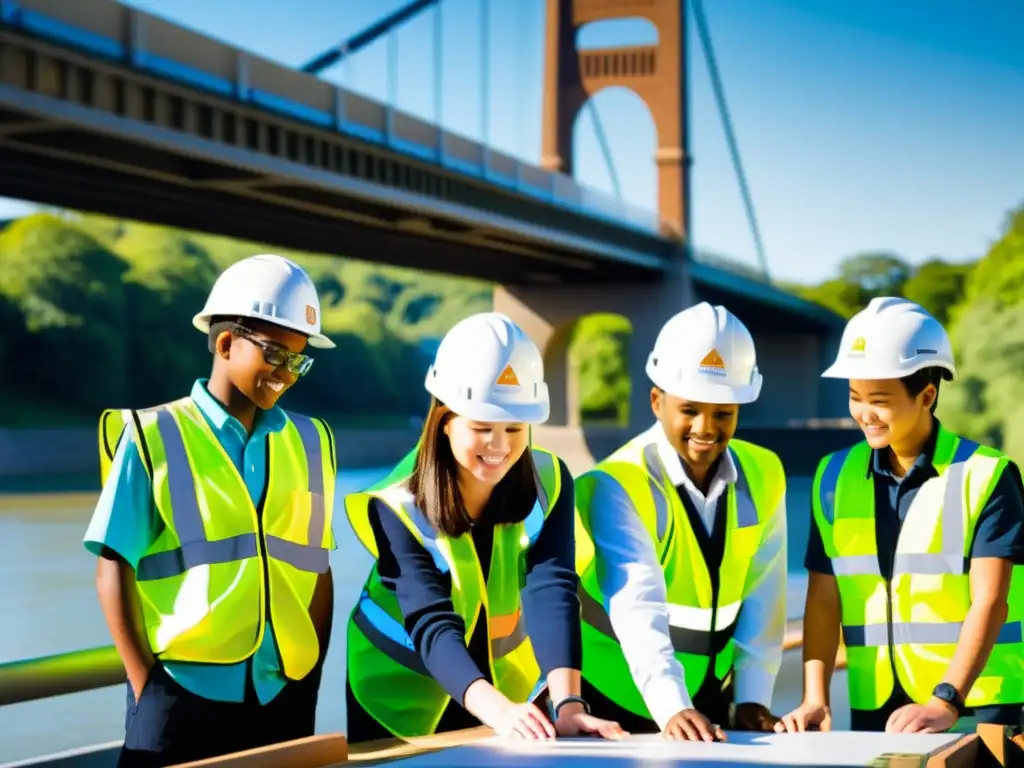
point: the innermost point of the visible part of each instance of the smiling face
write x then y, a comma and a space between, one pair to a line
485, 451
245, 353
888, 414
699, 432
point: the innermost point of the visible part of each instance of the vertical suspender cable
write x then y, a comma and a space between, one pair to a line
606, 150
393, 68
438, 68
723, 110
485, 72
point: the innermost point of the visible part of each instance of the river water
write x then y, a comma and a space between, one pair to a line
49, 605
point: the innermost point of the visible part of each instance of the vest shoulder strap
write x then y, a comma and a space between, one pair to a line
548, 478
761, 482
628, 466
357, 505
327, 436
114, 424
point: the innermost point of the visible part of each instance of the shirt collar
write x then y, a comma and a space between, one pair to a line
925, 461
725, 474
272, 420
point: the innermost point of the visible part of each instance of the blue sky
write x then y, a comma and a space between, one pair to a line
864, 125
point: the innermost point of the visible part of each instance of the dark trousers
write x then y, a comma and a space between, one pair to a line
170, 725
714, 705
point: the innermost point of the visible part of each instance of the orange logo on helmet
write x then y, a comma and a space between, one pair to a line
508, 377
310, 315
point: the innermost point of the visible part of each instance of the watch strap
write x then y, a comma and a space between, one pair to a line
569, 700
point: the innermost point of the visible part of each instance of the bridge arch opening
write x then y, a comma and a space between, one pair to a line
616, 33
586, 364
616, 116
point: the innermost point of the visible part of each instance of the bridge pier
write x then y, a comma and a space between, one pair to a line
548, 314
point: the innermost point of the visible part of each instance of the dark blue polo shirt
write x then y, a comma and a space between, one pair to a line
999, 533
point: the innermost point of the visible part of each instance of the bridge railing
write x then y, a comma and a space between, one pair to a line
728, 264
91, 668
108, 29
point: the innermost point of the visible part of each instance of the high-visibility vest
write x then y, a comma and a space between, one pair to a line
701, 621
219, 565
909, 626
386, 673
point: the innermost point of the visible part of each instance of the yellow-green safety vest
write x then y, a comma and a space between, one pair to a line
218, 565
387, 674
701, 622
909, 626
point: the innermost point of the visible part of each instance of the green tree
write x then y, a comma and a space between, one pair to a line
167, 285
598, 350
68, 289
877, 274
938, 287
842, 297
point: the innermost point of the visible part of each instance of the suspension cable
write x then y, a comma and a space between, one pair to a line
723, 110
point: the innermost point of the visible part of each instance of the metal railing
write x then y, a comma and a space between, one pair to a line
91, 668
55, 675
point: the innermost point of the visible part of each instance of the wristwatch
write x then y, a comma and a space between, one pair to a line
950, 695
568, 700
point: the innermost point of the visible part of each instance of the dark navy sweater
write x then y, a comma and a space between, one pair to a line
550, 602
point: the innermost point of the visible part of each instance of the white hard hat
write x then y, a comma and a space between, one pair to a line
270, 288
487, 369
891, 338
706, 354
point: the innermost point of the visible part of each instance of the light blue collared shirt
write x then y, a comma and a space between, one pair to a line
126, 521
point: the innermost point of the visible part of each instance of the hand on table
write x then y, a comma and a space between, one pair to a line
523, 721
807, 716
755, 717
691, 725
573, 720
934, 717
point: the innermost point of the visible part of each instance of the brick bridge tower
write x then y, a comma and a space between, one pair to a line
549, 312
656, 73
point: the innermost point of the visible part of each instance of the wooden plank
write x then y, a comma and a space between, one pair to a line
313, 752
332, 749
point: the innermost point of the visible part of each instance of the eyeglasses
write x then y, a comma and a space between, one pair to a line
276, 355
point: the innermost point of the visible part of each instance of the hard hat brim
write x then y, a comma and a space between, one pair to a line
201, 322
533, 413
849, 369
706, 392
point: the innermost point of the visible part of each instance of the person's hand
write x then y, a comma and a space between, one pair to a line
523, 721
808, 715
574, 721
934, 717
691, 725
754, 717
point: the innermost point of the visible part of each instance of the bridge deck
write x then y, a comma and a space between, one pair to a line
107, 108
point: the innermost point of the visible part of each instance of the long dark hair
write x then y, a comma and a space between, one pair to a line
435, 480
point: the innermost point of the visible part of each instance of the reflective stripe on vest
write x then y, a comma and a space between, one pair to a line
199, 578
379, 645
700, 631
929, 594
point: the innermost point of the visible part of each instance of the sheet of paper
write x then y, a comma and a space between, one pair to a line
824, 750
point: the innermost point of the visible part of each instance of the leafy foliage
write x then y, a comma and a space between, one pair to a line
97, 312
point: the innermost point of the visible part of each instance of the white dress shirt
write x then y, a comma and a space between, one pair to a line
633, 583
